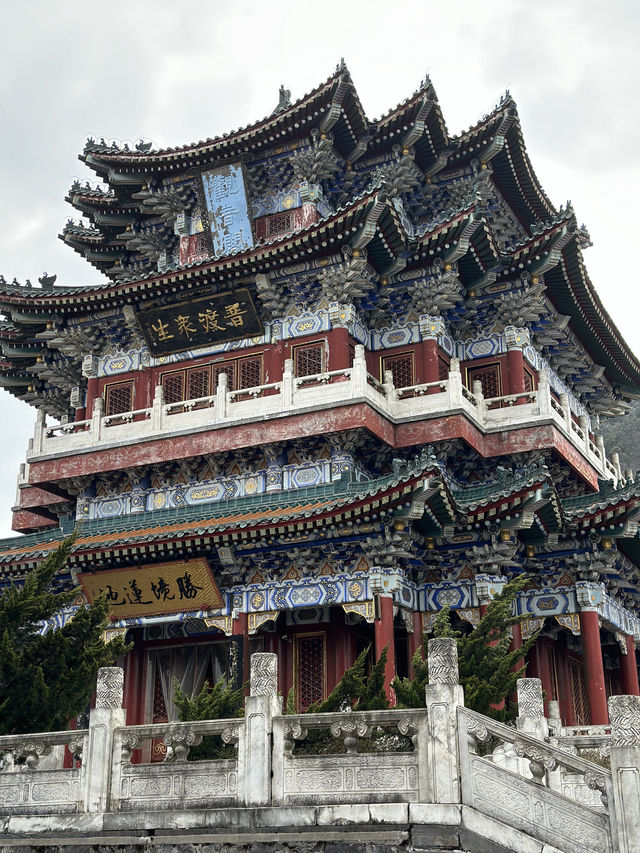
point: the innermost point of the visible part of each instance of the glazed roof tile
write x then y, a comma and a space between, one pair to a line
228, 517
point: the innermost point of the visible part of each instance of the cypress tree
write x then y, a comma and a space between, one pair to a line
485, 664
46, 679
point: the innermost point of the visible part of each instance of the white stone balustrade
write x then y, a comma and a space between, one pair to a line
298, 395
435, 766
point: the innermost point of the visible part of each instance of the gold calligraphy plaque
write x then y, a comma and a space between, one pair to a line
153, 590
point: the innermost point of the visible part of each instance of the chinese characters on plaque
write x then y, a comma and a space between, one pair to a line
227, 210
154, 590
188, 325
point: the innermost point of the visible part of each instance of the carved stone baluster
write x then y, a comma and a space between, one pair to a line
130, 741
350, 731
231, 735
408, 727
476, 732
596, 782
75, 746
32, 752
178, 743
540, 759
292, 733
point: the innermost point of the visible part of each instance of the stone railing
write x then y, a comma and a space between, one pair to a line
296, 395
430, 763
348, 775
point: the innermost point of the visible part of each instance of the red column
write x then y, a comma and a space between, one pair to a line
241, 627
383, 632
339, 348
516, 642
629, 669
515, 361
430, 368
92, 393
594, 669
415, 639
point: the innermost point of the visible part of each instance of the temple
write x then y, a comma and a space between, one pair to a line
342, 372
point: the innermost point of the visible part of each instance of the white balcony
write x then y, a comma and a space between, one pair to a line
298, 395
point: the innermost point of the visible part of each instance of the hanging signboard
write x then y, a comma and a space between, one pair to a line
184, 326
175, 587
227, 210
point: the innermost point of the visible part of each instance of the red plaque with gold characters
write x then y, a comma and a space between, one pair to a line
155, 590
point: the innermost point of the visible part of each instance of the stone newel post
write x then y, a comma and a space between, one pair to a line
103, 720
443, 694
531, 719
262, 705
624, 712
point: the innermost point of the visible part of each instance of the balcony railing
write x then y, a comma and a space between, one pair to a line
294, 395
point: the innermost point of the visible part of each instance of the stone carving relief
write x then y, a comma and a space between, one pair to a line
264, 674
443, 661
624, 713
110, 687
530, 703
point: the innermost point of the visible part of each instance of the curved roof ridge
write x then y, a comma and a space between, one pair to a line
505, 103
426, 87
142, 156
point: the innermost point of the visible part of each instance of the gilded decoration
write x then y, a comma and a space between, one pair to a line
161, 588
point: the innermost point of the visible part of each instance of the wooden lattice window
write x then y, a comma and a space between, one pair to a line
159, 715
173, 387
308, 360
401, 367
249, 372
159, 712
489, 377
119, 398
310, 670
579, 698
279, 223
529, 381
198, 382
443, 368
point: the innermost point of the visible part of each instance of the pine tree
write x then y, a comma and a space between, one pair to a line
356, 690
485, 664
46, 679
214, 702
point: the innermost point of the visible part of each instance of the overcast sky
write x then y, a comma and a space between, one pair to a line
177, 72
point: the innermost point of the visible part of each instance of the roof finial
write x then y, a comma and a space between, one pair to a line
47, 281
284, 100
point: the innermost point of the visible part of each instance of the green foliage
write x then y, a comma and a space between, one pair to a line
485, 663
356, 690
290, 705
219, 701
46, 679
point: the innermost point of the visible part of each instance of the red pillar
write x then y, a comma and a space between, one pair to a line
515, 361
430, 369
339, 349
415, 639
594, 669
629, 669
516, 642
383, 632
241, 627
92, 393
